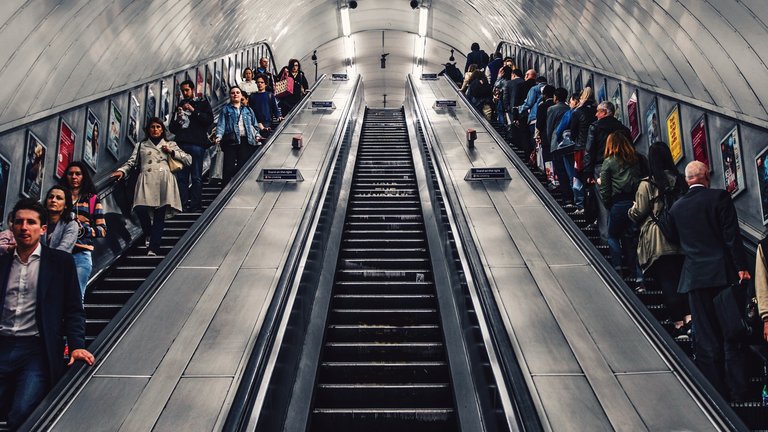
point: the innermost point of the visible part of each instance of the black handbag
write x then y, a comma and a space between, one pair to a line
230, 139
737, 314
591, 205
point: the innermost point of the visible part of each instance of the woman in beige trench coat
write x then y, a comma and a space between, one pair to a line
156, 190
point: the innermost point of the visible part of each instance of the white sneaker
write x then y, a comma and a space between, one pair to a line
146, 242
151, 253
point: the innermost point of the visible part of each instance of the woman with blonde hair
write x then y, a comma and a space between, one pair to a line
468, 77
619, 178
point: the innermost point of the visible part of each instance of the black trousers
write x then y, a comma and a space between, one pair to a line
666, 271
723, 362
234, 158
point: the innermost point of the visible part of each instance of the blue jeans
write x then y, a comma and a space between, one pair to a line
576, 185
24, 377
84, 264
621, 236
193, 195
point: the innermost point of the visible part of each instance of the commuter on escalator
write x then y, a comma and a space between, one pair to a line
237, 132
264, 106
248, 85
61, 232
190, 125
263, 69
40, 304
157, 193
89, 214
619, 179
300, 86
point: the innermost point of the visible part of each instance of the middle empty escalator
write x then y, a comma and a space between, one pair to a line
383, 364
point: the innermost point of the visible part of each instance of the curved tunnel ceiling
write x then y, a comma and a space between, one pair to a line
60, 53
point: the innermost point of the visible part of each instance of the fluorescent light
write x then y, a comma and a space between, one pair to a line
345, 21
349, 49
423, 17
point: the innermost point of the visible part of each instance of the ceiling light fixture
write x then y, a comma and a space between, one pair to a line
423, 18
345, 27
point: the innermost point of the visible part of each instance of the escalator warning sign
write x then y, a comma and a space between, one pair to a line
280, 175
489, 173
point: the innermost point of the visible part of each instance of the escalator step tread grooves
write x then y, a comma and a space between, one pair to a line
383, 365
752, 412
106, 296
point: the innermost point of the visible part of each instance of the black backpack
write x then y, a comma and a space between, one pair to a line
668, 196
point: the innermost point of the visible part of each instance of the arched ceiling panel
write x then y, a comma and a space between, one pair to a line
57, 53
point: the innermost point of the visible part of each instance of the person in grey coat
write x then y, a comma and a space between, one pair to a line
62, 229
156, 189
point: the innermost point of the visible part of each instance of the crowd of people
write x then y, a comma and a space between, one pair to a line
46, 252
657, 222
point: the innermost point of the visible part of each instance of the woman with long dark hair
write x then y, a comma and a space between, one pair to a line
300, 86
657, 256
618, 182
157, 193
89, 214
61, 232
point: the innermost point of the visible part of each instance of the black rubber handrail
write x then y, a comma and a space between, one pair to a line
254, 373
524, 415
75, 379
693, 380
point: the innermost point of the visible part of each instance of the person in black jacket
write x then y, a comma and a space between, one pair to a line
39, 305
705, 224
547, 95
300, 86
597, 135
190, 125
476, 56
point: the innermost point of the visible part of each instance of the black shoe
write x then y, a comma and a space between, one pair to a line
680, 334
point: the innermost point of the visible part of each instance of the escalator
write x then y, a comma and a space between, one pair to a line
114, 287
751, 412
383, 364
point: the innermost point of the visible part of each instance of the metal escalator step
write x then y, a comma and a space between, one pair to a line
384, 419
384, 333
381, 252
384, 316
380, 395
131, 271
122, 282
384, 275
384, 372
106, 296
381, 287
391, 351
383, 301
420, 264
102, 311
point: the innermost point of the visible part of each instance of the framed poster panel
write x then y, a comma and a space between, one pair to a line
733, 169
618, 103
208, 82
65, 152
177, 80
700, 141
567, 78
551, 71
134, 113
591, 82
602, 92
577, 84
34, 167
165, 103
150, 104
652, 122
559, 75
675, 135
633, 116
115, 128
91, 139
762, 181
5, 176
199, 83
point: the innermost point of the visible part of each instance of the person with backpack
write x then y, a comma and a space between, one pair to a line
480, 93
619, 178
452, 72
658, 257
761, 283
89, 214
476, 56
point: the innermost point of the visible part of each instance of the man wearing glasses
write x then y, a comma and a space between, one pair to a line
264, 105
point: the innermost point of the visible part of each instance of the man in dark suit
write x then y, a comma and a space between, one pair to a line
704, 222
40, 300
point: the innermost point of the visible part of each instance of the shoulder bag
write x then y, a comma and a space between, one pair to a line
285, 86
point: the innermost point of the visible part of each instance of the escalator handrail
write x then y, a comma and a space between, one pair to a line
74, 380
520, 411
254, 372
720, 413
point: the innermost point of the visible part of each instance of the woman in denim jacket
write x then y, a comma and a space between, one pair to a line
237, 132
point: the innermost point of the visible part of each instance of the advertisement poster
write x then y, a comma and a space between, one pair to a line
34, 167
66, 152
699, 141
634, 117
208, 82
133, 119
733, 171
652, 123
151, 105
602, 92
618, 104
5, 175
577, 81
762, 182
165, 103
200, 85
91, 139
675, 135
567, 79
115, 123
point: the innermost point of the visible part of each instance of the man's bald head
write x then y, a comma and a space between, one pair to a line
697, 173
530, 74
